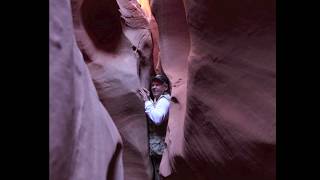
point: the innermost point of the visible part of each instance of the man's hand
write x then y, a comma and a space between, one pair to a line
144, 94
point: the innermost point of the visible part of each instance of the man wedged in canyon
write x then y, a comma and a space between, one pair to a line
157, 109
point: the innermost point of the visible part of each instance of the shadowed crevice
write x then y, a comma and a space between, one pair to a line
102, 22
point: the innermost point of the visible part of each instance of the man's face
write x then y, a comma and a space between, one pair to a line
158, 88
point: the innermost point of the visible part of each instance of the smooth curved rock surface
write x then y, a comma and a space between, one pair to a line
223, 126
115, 38
84, 141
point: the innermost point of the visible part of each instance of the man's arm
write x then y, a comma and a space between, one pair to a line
157, 114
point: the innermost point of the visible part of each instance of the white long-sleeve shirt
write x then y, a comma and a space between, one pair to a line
158, 110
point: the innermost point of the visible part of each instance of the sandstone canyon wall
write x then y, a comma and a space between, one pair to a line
220, 58
84, 141
117, 43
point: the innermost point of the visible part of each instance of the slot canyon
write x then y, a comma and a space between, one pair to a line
220, 56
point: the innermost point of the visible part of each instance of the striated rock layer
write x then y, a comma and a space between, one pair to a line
220, 56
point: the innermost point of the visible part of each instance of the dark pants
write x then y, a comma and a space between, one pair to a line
156, 159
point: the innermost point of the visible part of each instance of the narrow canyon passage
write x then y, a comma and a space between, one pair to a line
220, 58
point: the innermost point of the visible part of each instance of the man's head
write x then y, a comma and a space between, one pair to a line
159, 85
